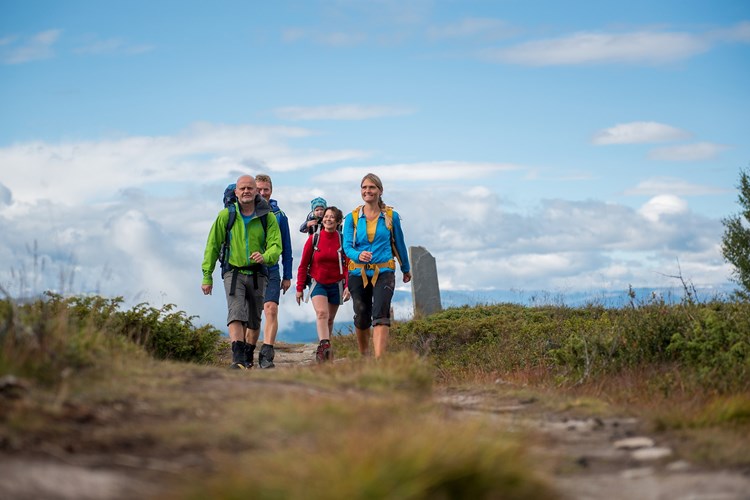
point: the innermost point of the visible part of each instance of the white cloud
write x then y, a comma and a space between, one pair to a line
6, 196
642, 47
639, 132
340, 112
38, 170
664, 204
699, 151
35, 48
423, 171
679, 187
737, 33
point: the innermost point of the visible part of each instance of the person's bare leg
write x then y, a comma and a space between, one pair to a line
320, 304
236, 331
363, 340
332, 310
380, 339
271, 328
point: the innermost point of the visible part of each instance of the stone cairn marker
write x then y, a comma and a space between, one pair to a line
424, 288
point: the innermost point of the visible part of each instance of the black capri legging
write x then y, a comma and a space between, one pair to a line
372, 304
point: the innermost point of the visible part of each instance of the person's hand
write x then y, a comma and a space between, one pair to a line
312, 223
407, 277
347, 294
365, 256
258, 257
207, 289
285, 284
299, 298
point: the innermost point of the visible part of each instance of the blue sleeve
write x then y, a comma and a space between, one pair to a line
286, 246
398, 236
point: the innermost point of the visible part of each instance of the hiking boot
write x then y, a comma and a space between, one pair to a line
249, 352
323, 353
239, 358
265, 357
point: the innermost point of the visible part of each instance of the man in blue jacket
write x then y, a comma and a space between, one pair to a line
276, 282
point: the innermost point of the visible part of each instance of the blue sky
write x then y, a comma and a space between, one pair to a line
558, 146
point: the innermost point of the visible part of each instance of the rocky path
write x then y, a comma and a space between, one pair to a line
603, 458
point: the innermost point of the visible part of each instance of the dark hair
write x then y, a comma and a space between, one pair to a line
337, 214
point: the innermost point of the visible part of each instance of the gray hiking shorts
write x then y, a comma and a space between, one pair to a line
246, 305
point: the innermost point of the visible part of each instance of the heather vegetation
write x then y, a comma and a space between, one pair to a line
706, 346
56, 335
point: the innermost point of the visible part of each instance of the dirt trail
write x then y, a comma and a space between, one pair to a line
604, 458
596, 458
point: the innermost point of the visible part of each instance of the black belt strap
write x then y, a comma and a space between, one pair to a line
236, 270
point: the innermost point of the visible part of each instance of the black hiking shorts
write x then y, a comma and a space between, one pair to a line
372, 304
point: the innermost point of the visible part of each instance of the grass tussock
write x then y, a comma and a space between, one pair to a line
401, 458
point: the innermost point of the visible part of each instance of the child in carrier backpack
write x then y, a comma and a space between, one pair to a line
315, 217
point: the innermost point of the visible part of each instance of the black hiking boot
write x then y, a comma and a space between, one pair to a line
249, 352
239, 358
323, 353
265, 357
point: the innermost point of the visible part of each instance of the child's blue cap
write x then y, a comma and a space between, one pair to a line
318, 202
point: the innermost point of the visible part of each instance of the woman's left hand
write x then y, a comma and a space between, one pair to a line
407, 277
347, 295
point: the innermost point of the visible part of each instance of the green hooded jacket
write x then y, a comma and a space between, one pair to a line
243, 239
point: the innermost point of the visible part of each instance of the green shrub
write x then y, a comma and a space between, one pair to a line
44, 338
717, 345
710, 340
48, 338
169, 335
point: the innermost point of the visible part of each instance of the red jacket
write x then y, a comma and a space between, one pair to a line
327, 263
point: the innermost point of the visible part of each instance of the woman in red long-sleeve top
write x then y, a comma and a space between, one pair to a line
323, 257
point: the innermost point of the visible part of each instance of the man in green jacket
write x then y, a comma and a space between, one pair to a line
252, 248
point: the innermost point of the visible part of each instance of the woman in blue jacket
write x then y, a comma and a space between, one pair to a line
373, 240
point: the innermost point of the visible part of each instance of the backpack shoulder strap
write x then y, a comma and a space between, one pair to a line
389, 218
341, 252
232, 208
224, 252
